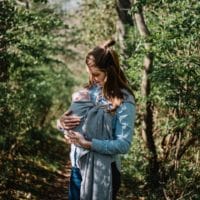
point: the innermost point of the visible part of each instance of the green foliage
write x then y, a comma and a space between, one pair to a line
35, 70
134, 162
175, 89
39, 84
97, 21
175, 42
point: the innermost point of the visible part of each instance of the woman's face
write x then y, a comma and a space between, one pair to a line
98, 76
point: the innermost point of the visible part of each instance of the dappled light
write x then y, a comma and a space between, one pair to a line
43, 48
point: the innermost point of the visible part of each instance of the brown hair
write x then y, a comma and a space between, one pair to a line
106, 59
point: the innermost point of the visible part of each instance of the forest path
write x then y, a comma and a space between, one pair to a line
59, 186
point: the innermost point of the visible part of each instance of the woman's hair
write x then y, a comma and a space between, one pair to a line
106, 59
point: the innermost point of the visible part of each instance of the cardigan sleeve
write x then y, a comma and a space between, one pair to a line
124, 129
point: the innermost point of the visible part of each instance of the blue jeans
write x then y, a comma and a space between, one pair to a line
75, 182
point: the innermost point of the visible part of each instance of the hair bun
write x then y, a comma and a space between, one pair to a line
109, 43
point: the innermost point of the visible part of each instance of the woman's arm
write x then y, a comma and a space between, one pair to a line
68, 121
123, 132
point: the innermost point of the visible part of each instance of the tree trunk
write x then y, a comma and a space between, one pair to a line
3, 65
147, 123
124, 19
5, 23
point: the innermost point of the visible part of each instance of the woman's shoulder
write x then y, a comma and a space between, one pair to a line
127, 105
127, 97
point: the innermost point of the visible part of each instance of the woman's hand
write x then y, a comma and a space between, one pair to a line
78, 139
69, 121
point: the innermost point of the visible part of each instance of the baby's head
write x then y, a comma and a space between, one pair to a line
81, 95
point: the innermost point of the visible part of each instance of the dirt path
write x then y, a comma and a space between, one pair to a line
59, 186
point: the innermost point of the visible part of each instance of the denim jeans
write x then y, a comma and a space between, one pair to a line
75, 182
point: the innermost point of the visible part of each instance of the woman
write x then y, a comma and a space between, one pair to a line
108, 86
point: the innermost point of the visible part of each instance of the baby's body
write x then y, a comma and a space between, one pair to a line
81, 103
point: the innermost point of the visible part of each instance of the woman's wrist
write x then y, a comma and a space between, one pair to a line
86, 144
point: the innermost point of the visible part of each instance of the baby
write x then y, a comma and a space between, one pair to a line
81, 95
81, 104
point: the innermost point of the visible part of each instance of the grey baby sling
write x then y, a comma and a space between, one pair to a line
95, 168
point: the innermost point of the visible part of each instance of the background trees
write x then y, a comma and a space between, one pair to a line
36, 43
35, 88
173, 40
